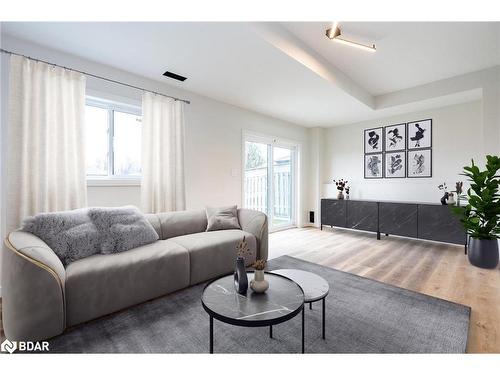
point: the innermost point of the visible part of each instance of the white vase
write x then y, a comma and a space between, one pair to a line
259, 284
451, 200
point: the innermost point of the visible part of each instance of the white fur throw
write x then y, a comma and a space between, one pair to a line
77, 234
121, 229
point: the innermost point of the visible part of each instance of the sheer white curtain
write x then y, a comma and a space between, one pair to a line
162, 186
46, 153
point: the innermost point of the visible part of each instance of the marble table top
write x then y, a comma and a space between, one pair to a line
282, 301
314, 286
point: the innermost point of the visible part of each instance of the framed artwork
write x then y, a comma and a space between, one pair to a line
373, 166
419, 134
419, 163
395, 164
395, 137
373, 140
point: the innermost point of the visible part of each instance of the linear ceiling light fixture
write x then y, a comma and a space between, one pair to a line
334, 33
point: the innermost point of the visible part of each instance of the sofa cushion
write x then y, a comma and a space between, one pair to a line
102, 284
213, 254
180, 223
221, 218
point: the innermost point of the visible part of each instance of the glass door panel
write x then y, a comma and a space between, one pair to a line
256, 176
282, 187
269, 181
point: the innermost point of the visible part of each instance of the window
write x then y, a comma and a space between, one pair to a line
113, 137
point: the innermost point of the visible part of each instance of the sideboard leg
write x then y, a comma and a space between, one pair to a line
378, 235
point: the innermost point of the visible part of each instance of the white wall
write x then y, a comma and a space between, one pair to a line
213, 135
457, 137
213, 132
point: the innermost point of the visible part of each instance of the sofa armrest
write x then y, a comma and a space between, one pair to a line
33, 282
255, 222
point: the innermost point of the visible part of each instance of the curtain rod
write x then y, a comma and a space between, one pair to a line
95, 76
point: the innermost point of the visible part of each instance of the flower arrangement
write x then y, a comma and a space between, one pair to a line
341, 184
242, 248
259, 264
443, 187
459, 190
448, 196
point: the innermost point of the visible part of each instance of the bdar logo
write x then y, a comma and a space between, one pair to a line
8, 346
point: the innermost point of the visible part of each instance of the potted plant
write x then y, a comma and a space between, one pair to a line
259, 284
480, 216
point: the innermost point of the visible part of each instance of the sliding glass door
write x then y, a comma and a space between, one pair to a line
269, 180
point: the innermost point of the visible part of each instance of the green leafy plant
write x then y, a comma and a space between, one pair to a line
480, 216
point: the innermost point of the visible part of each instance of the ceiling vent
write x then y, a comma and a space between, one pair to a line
174, 76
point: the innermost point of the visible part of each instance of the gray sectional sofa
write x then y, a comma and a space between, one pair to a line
41, 298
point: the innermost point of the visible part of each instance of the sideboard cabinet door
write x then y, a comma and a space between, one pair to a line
438, 223
398, 218
333, 212
362, 215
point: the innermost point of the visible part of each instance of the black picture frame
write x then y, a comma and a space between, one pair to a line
428, 122
405, 164
381, 156
380, 130
401, 126
409, 161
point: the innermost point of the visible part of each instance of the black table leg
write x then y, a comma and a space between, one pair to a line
211, 335
310, 305
303, 328
323, 318
271, 332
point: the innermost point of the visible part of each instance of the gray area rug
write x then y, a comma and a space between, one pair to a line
362, 316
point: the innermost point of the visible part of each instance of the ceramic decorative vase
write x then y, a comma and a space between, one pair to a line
483, 253
444, 199
340, 195
240, 276
259, 284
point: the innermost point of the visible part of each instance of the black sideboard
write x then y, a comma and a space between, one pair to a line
417, 220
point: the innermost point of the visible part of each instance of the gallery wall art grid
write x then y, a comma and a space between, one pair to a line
399, 151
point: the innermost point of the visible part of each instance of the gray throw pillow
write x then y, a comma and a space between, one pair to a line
121, 228
222, 218
70, 234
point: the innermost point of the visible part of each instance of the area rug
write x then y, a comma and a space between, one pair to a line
362, 316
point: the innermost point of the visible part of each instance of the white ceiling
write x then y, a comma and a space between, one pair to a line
301, 76
408, 53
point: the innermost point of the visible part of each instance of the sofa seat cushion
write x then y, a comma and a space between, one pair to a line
102, 284
213, 254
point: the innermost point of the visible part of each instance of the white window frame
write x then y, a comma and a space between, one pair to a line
111, 179
251, 136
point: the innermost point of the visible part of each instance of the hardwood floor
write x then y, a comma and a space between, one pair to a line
435, 269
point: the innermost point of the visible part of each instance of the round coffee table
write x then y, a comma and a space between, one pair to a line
281, 302
315, 288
